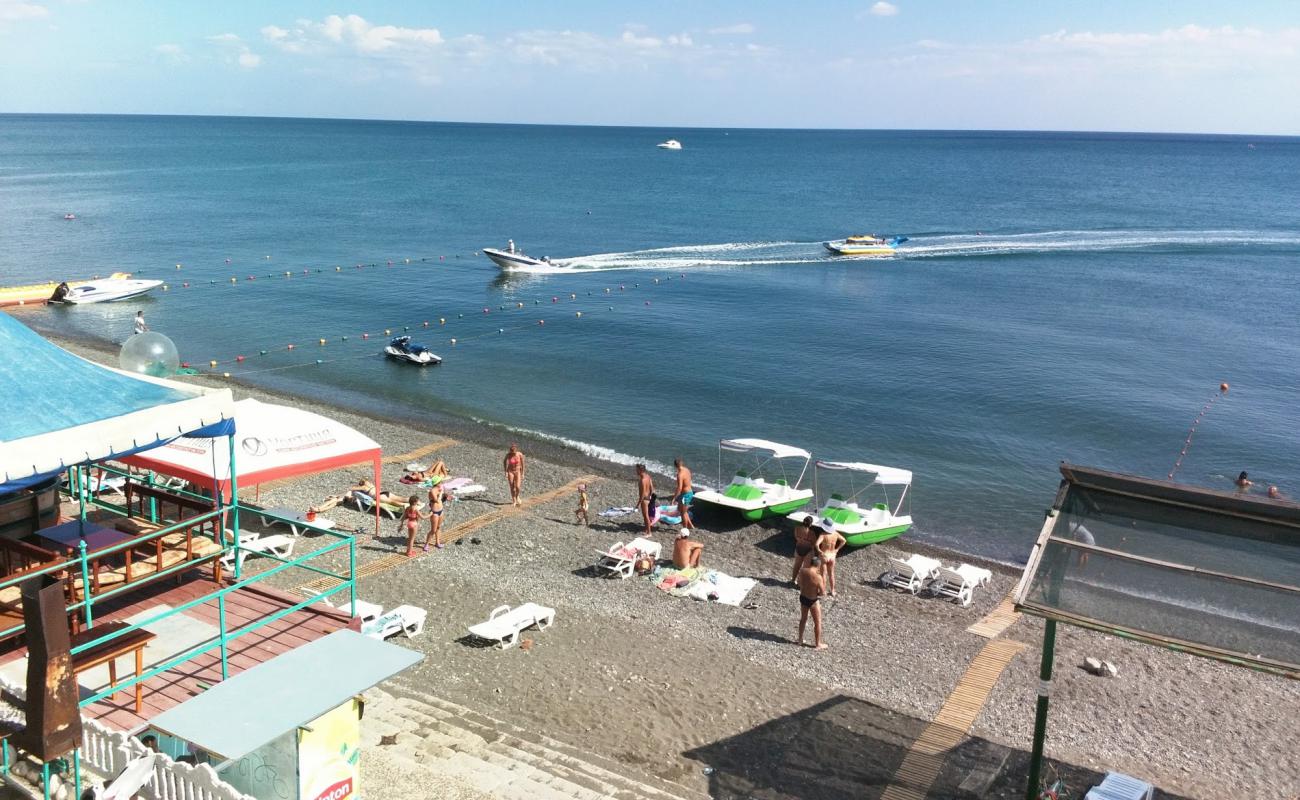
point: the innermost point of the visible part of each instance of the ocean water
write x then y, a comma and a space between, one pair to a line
1062, 297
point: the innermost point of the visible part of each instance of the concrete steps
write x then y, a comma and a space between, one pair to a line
452, 751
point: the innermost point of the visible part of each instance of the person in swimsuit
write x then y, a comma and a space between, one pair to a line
438, 470
829, 542
514, 466
686, 551
437, 504
1244, 482
685, 494
811, 588
411, 521
581, 513
645, 498
804, 539
362, 485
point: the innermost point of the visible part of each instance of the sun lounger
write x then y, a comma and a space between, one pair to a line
960, 583
277, 545
402, 619
365, 503
620, 559
504, 624
1118, 786
366, 612
911, 574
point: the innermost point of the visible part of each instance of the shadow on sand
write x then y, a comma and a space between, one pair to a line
849, 748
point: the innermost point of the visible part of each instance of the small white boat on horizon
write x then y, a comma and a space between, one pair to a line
671, 144
105, 290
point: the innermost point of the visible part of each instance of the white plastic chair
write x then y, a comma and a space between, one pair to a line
504, 624
960, 583
911, 574
402, 619
620, 559
1118, 786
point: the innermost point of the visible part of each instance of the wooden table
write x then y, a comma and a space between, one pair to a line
68, 537
108, 653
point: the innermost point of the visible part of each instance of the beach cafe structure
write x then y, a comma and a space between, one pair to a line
247, 691
1211, 573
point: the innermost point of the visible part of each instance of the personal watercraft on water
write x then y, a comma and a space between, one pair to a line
402, 349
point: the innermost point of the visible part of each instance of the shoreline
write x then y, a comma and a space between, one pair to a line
700, 694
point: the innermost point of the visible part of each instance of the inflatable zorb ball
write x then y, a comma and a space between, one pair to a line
149, 353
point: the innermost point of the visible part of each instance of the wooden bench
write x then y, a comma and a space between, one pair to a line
108, 653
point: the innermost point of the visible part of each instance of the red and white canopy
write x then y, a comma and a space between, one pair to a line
271, 442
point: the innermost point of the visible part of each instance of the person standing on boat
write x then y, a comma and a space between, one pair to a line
811, 588
829, 542
510, 245
140, 325
684, 495
514, 466
804, 539
645, 498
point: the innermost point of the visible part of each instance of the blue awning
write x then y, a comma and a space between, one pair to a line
58, 410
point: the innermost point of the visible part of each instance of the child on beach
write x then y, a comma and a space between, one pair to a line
437, 504
411, 521
581, 513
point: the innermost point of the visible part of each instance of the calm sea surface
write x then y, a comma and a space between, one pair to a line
1063, 296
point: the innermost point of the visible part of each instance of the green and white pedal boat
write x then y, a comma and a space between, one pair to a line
757, 492
869, 514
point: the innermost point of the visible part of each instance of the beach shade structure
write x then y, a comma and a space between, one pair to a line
273, 442
1211, 573
61, 411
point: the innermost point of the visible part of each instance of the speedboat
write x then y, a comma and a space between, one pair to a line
402, 349
69, 216
866, 514
756, 492
671, 144
869, 245
514, 259
103, 291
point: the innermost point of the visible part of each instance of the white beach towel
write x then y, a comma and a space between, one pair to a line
722, 588
617, 511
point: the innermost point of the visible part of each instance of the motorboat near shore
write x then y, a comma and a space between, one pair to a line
875, 507
865, 245
36, 294
401, 348
511, 258
671, 144
757, 492
102, 291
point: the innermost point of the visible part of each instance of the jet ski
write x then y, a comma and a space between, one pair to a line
402, 349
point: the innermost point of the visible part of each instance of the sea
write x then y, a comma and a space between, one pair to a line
1070, 297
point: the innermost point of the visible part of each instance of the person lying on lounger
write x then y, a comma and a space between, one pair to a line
362, 485
436, 472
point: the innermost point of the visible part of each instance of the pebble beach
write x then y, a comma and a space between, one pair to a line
719, 700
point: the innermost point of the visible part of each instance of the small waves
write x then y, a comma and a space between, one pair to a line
591, 450
978, 245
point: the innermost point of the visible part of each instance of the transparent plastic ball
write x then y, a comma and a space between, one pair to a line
149, 353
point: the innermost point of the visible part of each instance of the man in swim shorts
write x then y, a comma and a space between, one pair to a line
687, 551
684, 495
811, 587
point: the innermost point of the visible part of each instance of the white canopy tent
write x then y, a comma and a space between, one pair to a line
885, 476
776, 449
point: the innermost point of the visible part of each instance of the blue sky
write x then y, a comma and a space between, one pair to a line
967, 64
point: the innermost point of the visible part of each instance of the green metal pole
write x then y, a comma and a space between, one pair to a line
221, 613
1040, 714
45, 779
87, 600
76, 772
81, 493
234, 504
352, 572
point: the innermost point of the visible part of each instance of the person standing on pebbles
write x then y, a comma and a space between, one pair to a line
581, 514
645, 498
411, 521
811, 588
437, 505
514, 466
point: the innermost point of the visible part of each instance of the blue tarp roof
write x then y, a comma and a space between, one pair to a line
57, 409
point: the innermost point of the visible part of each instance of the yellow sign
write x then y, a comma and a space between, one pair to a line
329, 755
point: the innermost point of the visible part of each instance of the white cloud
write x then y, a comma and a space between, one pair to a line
884, 9
16, 11
249, 60
235, 52
172, 52
353, 33
739, 29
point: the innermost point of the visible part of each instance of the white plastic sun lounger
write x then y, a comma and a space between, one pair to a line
277, 545
402, 619
366, 612
1118, 786
620, 559
911, 574
960, 583
504, 624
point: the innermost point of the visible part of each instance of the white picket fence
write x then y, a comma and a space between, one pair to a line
106, 752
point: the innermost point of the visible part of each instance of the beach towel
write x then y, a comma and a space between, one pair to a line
617, 511
723, 588
676, 582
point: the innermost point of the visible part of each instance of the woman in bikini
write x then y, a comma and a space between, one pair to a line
828, 546
437, 505
514, 466
804, 539
411, 521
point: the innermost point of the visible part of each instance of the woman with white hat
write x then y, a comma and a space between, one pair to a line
828, 546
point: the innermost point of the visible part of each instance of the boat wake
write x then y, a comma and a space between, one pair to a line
748, 254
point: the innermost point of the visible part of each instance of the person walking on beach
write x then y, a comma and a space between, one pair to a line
829, 542
811, 588
437, 504
686, 551
411, 521
140, 325
804, 539
514, 466
684, 495
583, 503
645, 499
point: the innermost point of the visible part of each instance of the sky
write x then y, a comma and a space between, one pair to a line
1187, 66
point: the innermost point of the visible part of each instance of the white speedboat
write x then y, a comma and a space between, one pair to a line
868, 245
104, 291
671, 144
514, 259
757, 492
402, 348
876, 510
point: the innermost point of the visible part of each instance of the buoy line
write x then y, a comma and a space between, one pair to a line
300, 273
